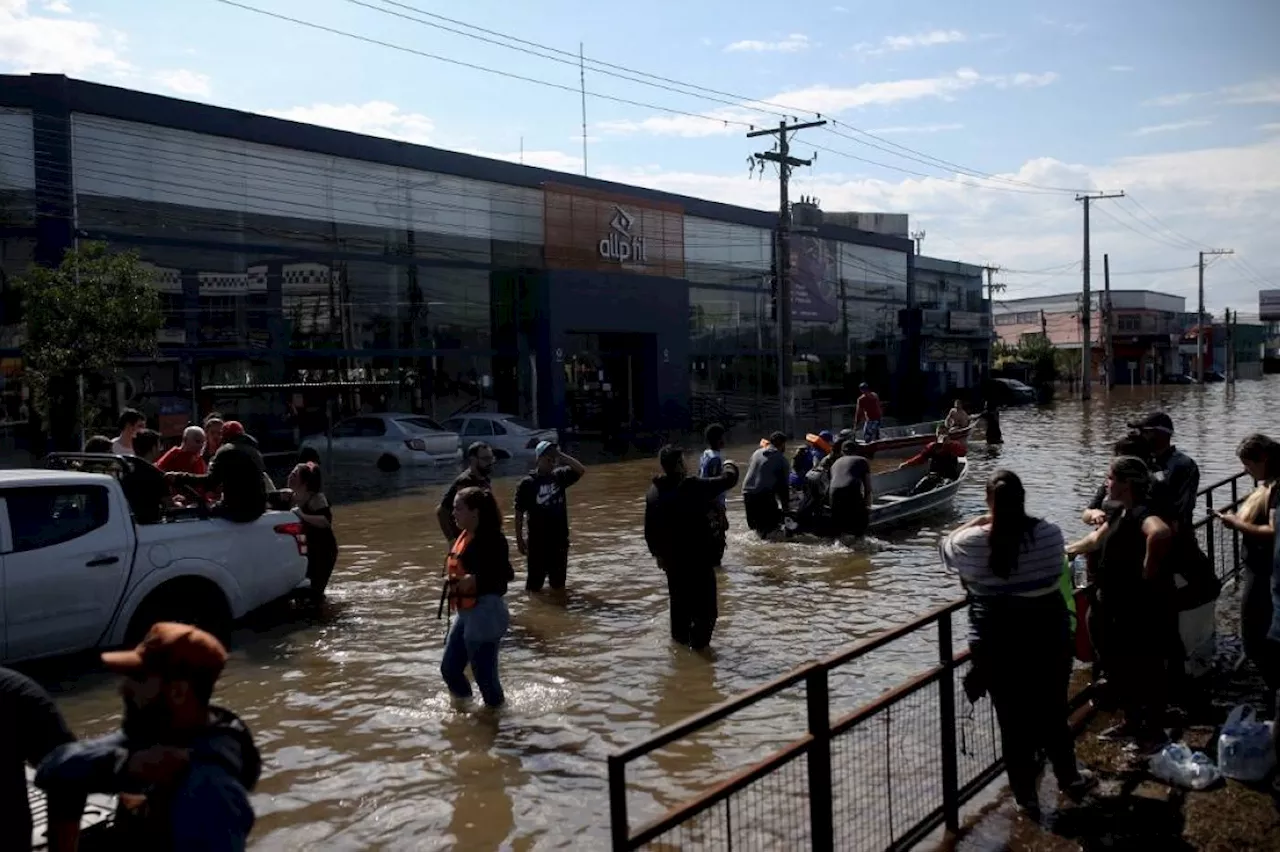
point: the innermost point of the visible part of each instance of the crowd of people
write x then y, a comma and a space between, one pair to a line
1145, 567
183, 768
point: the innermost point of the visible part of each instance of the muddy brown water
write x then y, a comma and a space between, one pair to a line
363, 749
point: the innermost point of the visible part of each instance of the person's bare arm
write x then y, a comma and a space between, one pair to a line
520, 542
63, 833
570, 462
1158, 536
1093, 517
1236, 523
1090, 543
866, 487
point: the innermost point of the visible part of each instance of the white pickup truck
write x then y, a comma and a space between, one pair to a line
76, 572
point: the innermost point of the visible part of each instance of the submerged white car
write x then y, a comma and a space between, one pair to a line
389, 441
509, 435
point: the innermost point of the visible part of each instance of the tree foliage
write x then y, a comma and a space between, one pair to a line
87, 315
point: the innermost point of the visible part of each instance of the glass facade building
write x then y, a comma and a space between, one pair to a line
289, 254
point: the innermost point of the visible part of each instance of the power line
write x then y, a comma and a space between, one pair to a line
669, 84
1191, 242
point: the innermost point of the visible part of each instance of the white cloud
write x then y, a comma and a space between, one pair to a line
794, 43
1218, 195
1177, 99
840, 9
1270, 127
31, 42
1121, 68
1070, 27
916, 128
59, 7
827, 100
374, 118
1171, 127
908, 42
185, 82
1266, 91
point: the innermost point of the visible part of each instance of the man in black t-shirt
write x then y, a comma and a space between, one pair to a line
849, 493
540, 497
480, 462
30, 728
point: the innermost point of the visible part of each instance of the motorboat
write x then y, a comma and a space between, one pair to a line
894, 505
902, 441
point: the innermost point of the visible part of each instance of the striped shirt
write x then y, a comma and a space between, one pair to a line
1038, 572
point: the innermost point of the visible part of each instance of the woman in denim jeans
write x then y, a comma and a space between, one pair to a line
479, 569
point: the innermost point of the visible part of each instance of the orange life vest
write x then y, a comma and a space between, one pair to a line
454, 572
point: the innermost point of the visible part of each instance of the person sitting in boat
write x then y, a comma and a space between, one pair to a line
943, 457
957, 418
817, 447
868, 413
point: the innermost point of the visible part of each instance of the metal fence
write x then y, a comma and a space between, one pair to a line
882, 776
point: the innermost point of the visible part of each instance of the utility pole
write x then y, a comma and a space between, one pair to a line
1086, 305
1230, 360
992, 289
1107, 352
785, 162
582, 82
1200, 314
918, 238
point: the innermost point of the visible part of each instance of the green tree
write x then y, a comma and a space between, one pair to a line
83, 318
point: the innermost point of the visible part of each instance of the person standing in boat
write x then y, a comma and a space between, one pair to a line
868, 413
1010, 564
766, 492
710, 466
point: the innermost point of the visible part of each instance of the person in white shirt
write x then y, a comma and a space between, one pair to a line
132, 422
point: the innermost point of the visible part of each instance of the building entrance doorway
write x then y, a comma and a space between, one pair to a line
609, 381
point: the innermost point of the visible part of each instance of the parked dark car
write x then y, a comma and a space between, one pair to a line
1214, 376
1178, 379
1010, 392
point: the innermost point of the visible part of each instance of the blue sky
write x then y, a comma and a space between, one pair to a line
1177, 105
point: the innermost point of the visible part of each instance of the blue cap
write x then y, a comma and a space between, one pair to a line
864, 386
826, 436
543, 448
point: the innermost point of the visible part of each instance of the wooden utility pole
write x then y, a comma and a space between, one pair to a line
992, 289
1230, 358
1086, 304
1107, 352
1200, 314
785, 163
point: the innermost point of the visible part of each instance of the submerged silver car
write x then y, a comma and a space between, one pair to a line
389, 441
509, 435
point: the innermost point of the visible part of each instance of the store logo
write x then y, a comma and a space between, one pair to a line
622, 244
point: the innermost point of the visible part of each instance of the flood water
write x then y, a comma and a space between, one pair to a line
363, 749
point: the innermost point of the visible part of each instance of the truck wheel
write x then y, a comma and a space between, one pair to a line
388, 464
195, 601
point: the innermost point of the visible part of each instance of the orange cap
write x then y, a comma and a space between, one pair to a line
173, 650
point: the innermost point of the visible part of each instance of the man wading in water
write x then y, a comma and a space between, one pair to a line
480, 461
684, 536
540, 497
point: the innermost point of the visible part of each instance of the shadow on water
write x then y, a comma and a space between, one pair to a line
362, 748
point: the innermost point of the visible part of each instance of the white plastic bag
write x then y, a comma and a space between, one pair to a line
1177, 764
1246, 750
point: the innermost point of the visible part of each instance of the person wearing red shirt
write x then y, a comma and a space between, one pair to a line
187, 457
868, 413
943, 457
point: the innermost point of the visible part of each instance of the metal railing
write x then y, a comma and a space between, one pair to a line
882, 776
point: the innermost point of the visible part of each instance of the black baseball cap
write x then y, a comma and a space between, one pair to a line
1157, 421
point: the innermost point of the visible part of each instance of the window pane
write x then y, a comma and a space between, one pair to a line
42, 517
478, 427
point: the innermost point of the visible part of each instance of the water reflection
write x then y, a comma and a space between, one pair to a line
362, 748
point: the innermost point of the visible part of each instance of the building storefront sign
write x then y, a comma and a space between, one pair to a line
964, 321
604, 232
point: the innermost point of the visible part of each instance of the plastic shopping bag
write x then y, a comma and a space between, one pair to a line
1177, 764
1246, 749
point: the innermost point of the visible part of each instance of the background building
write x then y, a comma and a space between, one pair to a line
1146, 330
951, 322
431, 280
